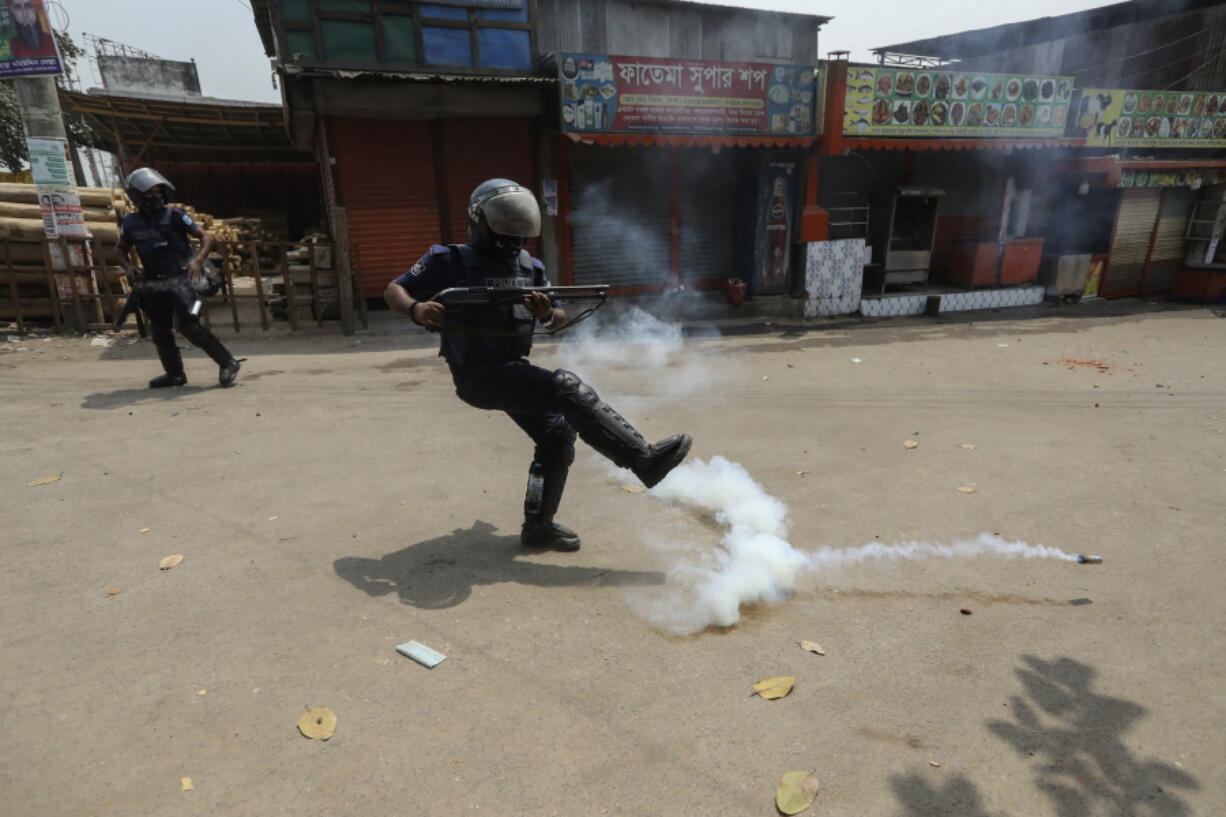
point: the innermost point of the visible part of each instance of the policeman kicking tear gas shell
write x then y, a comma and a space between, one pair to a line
485, 299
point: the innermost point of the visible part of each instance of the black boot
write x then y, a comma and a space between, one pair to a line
229, 372
612, 435
168, 379
546, 481
172, 360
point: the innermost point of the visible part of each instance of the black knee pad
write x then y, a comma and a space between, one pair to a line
570, 387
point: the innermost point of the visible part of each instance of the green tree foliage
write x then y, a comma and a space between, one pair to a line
13, 154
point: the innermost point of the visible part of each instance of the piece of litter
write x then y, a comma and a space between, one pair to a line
966, 611
801, 473
934, 763
186, 783
773, 688
910, 444
1086, 559
44, 481
796, 792
273, 518
202, 692
170, 561
114, 591
103, 342
1003, 345
969, 446
145, 530
856, 360
812, 646
966, 489
318, 723
764, 377
633, 489
420, 653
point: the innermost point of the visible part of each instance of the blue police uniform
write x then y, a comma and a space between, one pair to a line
161, 241
486, 348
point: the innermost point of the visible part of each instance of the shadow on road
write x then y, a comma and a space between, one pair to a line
125, 397
440, 573
1077, 738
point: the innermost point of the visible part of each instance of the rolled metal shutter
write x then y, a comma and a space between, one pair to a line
387, 185
708, 215
1134, 226
474, 150
620, 216
1166, 258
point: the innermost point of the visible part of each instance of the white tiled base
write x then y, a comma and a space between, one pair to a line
834, 276
952, 301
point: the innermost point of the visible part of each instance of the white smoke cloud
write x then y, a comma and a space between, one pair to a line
755, 562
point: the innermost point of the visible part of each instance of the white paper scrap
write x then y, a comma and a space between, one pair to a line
420, 653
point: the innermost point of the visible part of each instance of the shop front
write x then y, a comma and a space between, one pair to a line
681, 173
1167, 200
940, 176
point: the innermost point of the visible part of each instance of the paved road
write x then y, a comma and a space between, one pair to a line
340, 501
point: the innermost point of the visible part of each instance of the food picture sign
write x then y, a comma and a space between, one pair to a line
1151, 119
609, 94
910, 102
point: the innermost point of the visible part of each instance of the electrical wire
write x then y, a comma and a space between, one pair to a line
1150, 51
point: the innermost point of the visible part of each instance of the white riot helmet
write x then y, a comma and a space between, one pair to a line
502, 216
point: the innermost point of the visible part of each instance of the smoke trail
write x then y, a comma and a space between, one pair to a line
756, 563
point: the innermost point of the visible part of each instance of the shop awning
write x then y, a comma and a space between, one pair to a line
146, 129
691, 140
959, 144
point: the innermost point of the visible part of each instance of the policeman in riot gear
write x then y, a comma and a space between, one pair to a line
486, 348
163, 287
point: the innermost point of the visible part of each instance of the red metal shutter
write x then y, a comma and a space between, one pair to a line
1134, 226
388, 188
478, 149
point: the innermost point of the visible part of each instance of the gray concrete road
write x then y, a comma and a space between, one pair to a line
340, 500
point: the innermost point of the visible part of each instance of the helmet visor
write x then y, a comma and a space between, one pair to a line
513, 213
146, 177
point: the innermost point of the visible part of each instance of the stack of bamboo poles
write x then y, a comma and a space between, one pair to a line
24, 255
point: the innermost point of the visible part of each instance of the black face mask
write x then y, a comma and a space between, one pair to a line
154, 202
507, 245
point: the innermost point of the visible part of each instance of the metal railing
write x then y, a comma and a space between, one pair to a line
67, 283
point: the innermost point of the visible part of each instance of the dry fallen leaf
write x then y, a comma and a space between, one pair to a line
966, 489
633, 489
773, 688
318, 723
145, 530
202, 692
186, 783
934, 764
114, 591
170, 561
812, 646
969, 446
796, 792
910, 444
44, 481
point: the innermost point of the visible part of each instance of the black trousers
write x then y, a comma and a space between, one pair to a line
527, 395
167, 306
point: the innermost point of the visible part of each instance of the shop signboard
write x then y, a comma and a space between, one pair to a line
1164, 177
915, 103
27, 46
611, 94
1108, 117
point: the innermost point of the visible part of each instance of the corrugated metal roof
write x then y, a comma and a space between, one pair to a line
984, 41
419, 76
263, 22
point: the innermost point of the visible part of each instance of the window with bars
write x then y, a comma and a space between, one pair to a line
462, 34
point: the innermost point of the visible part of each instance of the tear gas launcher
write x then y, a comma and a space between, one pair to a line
456, 298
